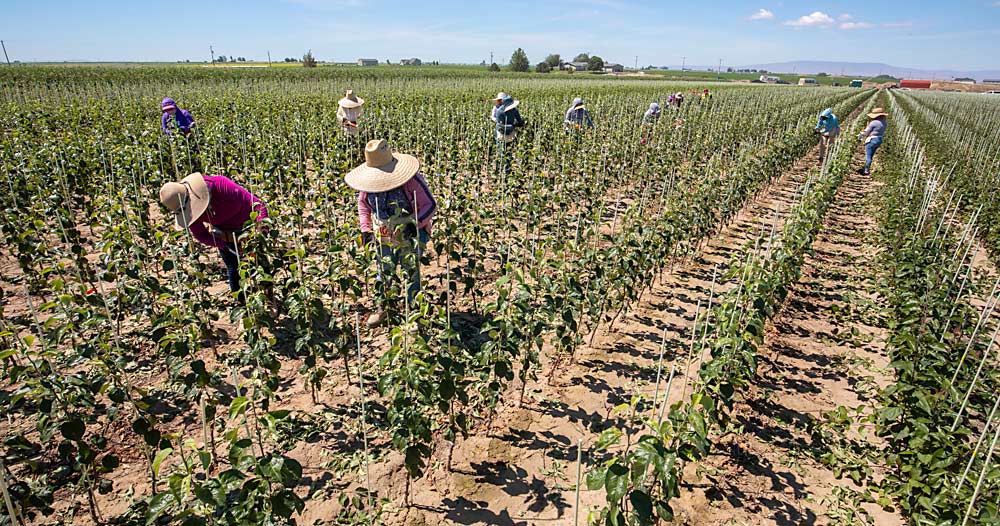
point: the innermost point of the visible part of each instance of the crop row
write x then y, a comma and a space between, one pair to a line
642, 477
936, 418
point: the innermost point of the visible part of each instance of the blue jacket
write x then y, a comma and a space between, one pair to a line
507, 119
828, 122
578, 116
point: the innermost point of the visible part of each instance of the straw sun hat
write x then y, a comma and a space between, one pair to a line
188, 199
383, 170
876, 113
502, 97
351, 100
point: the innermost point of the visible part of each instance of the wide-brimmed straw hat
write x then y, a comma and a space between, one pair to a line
383, 170
188, 199
876, 113
351, 100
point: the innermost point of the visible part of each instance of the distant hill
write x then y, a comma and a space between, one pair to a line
869, 69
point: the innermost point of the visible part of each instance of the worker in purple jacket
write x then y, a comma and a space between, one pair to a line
180, 118
214, 209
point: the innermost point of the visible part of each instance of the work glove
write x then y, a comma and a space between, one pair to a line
367, 238
410, 231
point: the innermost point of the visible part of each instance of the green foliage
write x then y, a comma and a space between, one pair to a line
595, 63
308, 60
519, 61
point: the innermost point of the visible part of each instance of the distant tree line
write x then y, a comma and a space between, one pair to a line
519, 62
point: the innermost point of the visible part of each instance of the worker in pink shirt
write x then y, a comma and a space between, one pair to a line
214, 209
394, 204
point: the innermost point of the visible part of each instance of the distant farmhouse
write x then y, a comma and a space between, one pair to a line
991, 81
611, 67
576, 66
965, 80
410, 62
367, 62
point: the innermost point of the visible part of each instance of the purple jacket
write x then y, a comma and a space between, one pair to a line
229, 208
182, 118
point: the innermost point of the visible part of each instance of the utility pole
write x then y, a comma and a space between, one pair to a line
269, 58
718, 74
491, 58
637, 62
5, 52
212, 51
683, 61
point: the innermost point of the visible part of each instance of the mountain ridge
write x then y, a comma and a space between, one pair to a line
869, 69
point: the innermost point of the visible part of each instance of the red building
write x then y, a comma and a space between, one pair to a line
915, 84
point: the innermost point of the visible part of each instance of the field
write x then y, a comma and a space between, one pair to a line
693, 322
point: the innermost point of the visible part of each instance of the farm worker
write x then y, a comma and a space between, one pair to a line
349, 111
829, 128
394, 202
577, 116
705, 96
874, 133
678, 99
652, 115
180, 117
507, 117
214, 209
670, 100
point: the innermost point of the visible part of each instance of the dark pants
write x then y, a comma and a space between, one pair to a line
407, 256
232, 261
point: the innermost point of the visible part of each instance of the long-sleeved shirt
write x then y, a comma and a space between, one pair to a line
829, 124
349, 114
182, 119
652, 115
578, 116
876, 128
507, 119
228, 209
416, 188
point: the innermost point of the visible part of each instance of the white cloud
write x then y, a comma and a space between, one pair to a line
844, 17
855, 25
897, 24
762, 14
815, 19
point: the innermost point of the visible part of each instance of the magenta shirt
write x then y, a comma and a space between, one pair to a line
229, 208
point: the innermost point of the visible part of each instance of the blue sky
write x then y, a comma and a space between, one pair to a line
962, 34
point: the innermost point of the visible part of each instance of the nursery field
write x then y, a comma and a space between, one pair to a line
697, 321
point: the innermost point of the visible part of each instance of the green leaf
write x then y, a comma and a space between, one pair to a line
73, 429
608, 437
642, 506
238, 406
161, 455
159, 504
595, 478
616, 482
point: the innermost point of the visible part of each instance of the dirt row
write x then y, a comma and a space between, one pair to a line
524, 472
